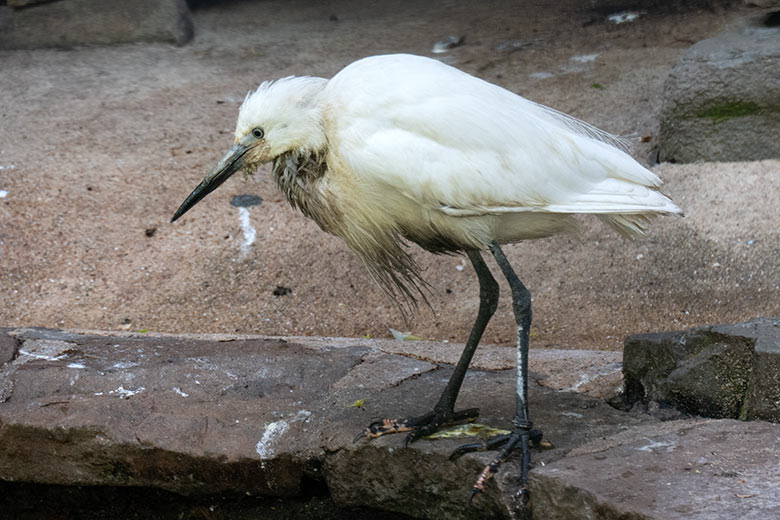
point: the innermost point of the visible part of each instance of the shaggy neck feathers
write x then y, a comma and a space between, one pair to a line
296, 173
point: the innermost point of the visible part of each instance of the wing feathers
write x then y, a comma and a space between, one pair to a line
455, 143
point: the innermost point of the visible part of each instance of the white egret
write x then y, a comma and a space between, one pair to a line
403, 148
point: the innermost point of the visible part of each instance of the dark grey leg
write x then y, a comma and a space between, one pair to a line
444, 411
522, 433
488, 302
521, 305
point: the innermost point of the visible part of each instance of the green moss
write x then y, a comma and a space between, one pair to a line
720, 113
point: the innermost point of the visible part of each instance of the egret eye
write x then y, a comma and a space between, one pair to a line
257, 133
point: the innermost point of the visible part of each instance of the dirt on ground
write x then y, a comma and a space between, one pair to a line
99, 146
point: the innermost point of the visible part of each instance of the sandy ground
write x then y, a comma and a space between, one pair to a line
98, 146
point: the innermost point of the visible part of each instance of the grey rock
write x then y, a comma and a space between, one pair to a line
592, 372
261, 416
688, 469
721, 101
7, 347
78, 22
24, 3
596, 373
422, 482
762, 400
725, 371
205, 415
762, 3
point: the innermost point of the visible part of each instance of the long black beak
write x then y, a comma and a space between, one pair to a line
227, 166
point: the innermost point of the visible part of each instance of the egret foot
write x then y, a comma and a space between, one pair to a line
522, 438
417, 427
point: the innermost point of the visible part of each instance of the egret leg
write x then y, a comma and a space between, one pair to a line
444, 410
523, 433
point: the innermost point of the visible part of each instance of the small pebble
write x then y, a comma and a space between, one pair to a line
445, 44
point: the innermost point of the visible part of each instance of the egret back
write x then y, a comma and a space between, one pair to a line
458, 145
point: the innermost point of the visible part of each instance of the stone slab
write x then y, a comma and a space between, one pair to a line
94, 22
597, 373
222, 414
688, 469
274, 417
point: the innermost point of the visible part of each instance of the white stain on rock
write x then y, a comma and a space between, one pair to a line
584, 58
655, 446
587, 377
274, 431
122, 365
179, 391
46, 349
624, 16
124, 393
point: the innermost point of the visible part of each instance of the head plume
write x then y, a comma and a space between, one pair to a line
288, 111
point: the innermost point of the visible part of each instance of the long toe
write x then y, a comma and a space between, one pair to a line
520, 439
492, 443
385, 426
417, 427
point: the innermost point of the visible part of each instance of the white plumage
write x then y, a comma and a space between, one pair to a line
403, 148
407, 131
412, 148
457, 144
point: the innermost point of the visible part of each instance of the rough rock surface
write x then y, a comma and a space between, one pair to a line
719, 371
688, 469
23, 3
78, 22
7, 347
199, 416
592, 372
722, 100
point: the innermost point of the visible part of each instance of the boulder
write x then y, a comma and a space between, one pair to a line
93, 22
721, 101
719, 371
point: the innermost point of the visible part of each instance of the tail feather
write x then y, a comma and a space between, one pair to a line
628, 225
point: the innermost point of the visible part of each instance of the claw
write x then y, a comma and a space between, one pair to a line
474, 492
479, 486
535, 439
508, 443
523, 495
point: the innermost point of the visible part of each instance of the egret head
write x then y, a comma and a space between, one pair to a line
277, 118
